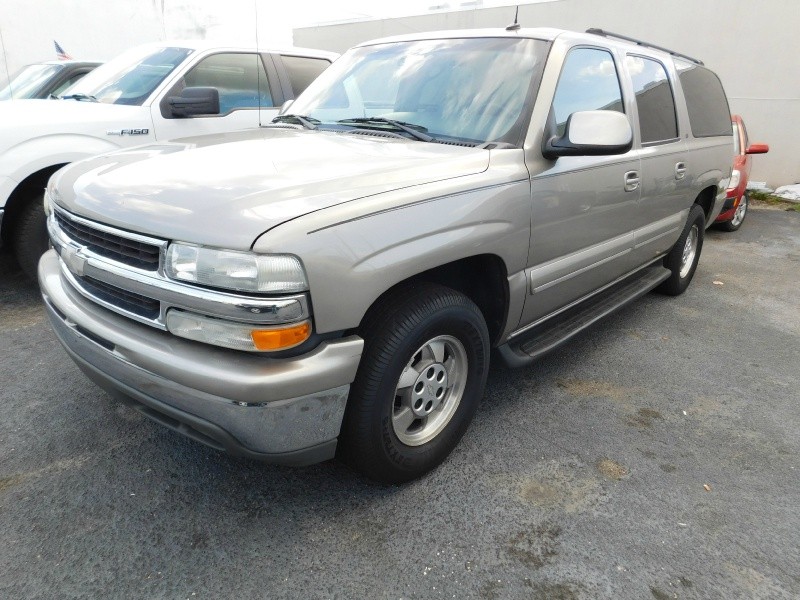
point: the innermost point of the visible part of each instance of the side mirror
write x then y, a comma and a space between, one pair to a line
285, 107
195, 101
591, 133
757, 149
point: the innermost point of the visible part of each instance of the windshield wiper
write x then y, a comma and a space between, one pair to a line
80, 97
414, 130
305, 121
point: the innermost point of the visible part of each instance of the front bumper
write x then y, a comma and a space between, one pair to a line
728, 209
286, 411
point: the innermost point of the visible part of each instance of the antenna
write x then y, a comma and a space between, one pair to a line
515, 25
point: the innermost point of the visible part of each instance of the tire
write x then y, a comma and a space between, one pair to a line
685, 254
421, 377
738, 217
29, 237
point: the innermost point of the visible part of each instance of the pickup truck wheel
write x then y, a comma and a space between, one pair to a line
422, 375
685, 254
29, 238
738, 216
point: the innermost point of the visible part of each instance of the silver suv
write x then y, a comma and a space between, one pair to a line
332, 284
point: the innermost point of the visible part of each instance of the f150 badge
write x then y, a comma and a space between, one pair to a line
127, 132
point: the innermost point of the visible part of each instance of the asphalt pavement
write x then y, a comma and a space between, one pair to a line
655, 456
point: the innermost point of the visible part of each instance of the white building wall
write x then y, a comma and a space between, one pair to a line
86, 29
753, 45
101, 29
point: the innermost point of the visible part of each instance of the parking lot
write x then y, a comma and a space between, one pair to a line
655, 456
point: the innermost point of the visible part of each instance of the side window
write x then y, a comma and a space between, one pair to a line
709, 114
654, 99
240, 78
303, 70
588, 81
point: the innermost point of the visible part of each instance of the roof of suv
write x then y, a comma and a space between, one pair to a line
221, 45
539, 33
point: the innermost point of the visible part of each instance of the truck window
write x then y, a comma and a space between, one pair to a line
709, 114
588, 81
70, 80
239, 77
469, 89
654, 99
131, 77
303, 70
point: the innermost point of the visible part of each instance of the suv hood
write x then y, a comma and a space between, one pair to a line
226, 190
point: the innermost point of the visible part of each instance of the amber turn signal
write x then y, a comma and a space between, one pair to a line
281, 338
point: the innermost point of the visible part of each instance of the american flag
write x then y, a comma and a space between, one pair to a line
60, 54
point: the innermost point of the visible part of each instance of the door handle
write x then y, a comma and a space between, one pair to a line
631, 181
680, 170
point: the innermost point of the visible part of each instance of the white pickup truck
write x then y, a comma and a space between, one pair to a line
150, 93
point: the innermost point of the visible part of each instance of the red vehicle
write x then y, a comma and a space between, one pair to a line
735, 207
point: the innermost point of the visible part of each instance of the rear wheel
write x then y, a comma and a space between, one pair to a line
29, 238
685, 254
738, 216
422, 375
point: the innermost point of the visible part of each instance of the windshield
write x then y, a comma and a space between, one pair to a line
28, 81
130, 78
470, 89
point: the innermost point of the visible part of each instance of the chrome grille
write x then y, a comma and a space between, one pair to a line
131, 302
124, 250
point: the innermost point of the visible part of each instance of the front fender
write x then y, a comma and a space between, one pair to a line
351, 263
30, 156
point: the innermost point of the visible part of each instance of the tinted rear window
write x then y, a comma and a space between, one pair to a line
709, 114
654, 100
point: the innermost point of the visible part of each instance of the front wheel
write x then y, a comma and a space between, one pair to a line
738, 216
422, 375
29, 238
685, 254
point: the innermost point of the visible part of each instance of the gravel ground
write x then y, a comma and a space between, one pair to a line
655, 456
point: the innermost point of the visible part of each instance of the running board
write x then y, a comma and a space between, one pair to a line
540, 340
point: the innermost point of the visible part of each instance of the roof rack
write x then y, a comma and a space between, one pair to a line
604, 33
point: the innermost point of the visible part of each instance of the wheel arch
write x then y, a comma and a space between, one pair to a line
22, 193
483, 278
705, 199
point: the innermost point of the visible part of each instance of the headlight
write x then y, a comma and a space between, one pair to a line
735, 178
231, 270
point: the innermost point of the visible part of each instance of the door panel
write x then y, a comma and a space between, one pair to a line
665, 169
582, 227
583, 207
665, 199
